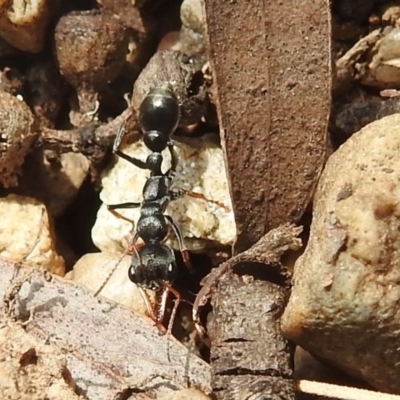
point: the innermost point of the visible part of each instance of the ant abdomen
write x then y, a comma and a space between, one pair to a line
159, 116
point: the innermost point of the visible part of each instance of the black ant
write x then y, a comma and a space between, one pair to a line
153, 264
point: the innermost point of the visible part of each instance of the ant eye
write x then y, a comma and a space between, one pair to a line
170, 273
135, 275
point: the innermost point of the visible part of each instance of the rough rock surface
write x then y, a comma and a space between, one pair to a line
17, 136
344, 303
56, 184
26, 234
200, 169
30, 369
383, 69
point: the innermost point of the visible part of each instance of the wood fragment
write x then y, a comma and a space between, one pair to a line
249, 355
267, 250
272, 70
331, 391
93, 140
108, 348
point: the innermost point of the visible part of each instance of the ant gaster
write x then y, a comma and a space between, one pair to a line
158, 119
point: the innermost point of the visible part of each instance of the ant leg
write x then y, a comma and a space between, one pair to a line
176, 194
113, 207
135, 161
179, 236
117, 142
174, 161
132, 248
97, 292
161, 311
129, 250
162, 306
149, 306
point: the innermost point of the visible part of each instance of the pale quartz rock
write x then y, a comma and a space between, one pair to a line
26, 234
193, 15
185, 394
96, 269
193, 19
344, 306
383, 71
200, 169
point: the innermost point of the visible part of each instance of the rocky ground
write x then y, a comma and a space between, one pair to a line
288, 132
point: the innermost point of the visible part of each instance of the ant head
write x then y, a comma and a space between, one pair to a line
157, 263
159, 110
154, 161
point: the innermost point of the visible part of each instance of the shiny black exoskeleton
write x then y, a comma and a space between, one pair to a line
158, 119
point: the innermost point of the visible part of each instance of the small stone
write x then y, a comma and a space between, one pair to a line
192, 38
391, 14
344, 304
17, 136
185, 394
193, 15
200, 169
170, 41
24, 26
26, 234
55, 183
92, 271
383, 70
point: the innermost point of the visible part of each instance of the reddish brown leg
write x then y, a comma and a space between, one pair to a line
186, 258
133, 248
120, 216
163, 305
150, 307
97, 292
179, 236
201, 196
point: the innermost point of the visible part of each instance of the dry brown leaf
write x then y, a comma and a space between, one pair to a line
271, 66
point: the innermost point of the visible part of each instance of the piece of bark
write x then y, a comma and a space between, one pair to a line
93, 141
268, 250
272, 69
249, 355
109, 349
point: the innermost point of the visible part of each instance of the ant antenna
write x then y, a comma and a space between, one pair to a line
110, 274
